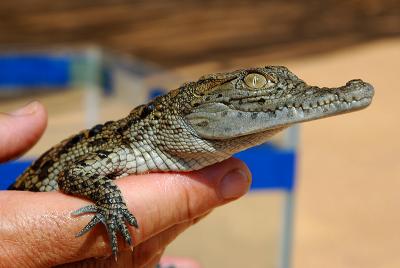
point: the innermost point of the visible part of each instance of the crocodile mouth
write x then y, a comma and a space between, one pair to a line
290, 114
224, 121
323, 102
355, 95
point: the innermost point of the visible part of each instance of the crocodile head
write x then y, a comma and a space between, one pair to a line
261, 100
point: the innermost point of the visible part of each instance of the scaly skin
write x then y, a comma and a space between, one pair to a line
191, 127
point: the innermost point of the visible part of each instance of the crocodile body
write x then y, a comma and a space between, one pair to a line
191, 127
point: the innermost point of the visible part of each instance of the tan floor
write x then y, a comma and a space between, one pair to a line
349, 176
349, 169
347, 213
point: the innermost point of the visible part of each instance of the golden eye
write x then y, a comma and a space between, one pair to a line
256, 81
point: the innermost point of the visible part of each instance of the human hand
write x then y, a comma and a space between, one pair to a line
37, 229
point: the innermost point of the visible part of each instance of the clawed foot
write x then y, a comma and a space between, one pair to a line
113, 216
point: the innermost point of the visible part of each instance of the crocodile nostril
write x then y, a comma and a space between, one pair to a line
355, 82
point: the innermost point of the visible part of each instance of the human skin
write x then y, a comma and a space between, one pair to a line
37, 229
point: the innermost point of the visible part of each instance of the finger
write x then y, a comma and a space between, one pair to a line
21, 129
177, 262
43, 230
154, 262
152, 248
148, 252
167, 199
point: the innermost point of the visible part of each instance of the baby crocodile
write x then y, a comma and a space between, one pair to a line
191, 127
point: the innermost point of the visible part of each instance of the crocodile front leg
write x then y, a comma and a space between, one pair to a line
92, 177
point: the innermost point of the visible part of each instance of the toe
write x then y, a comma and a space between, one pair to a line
84, 210
92, 223
125, 232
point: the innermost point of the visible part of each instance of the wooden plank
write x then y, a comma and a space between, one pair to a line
174, 33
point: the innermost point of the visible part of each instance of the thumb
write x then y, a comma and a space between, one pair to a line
168, 199
21, 129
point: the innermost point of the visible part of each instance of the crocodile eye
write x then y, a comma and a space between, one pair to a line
256, 81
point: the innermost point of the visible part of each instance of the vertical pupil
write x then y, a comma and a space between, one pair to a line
254, 80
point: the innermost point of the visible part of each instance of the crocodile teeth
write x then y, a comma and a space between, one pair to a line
344, 105
320, 106
300, 112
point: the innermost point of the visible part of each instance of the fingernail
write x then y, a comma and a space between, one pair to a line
235, 184
28, 109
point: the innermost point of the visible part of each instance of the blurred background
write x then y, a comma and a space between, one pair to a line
94, 60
